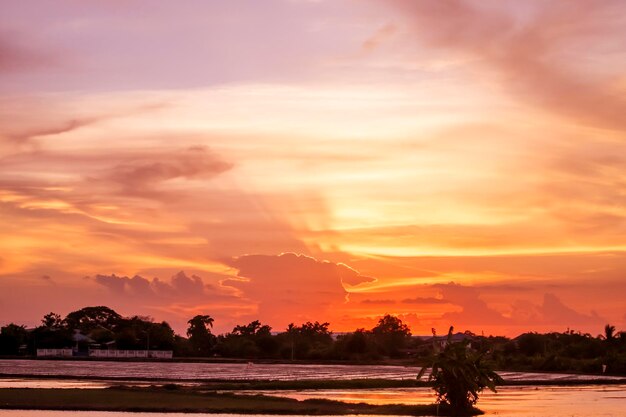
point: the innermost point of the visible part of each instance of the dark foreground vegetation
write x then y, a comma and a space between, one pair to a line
177, 399
390, 341
459, 375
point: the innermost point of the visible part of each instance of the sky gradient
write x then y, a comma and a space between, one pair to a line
450, 162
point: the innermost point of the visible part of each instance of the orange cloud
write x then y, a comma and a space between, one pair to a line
291, 288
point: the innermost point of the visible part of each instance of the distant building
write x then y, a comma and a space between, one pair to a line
78, 337
442, 341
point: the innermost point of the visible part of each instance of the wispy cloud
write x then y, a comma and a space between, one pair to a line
536, 49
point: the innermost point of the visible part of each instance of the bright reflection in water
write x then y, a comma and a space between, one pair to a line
52, 383
46, 413
525, 401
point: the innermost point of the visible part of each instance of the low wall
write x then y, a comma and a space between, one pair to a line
54, 352
115, 353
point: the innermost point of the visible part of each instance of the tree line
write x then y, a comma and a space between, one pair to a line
389, 339
103, 327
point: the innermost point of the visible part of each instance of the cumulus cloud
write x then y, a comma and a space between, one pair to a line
475, 311
553, 311
291, 287
180, 286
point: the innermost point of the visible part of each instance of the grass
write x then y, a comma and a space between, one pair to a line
177, 399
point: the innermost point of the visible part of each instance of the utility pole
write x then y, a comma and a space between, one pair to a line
148, 342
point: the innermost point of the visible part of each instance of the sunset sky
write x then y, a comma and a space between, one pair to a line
449, 162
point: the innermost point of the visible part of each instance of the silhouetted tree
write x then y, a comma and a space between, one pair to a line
357, 345
252, 340
12, 337
391, 335
199, 332
531, 344
311, 340
609, 333
89, 318
52, 320
254, 328
139, 332
357, 342
49, 337
292, 333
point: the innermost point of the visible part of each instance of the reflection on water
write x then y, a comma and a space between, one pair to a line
591, 401
372, 396
46, 413
50, 383
527, 401
198, 371
235, 371
524, 401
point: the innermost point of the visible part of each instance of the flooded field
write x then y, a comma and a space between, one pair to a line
525, 401
176, 371
515, 401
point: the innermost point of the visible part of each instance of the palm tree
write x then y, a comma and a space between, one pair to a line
609, 333
459, 375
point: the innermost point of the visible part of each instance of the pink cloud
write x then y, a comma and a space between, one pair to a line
16, 57
525, 48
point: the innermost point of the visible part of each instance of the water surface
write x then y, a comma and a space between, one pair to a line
518, 401
525, 401
51, 383
178, 371
521, 401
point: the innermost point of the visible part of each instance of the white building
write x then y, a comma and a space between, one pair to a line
116, 353
54, 352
